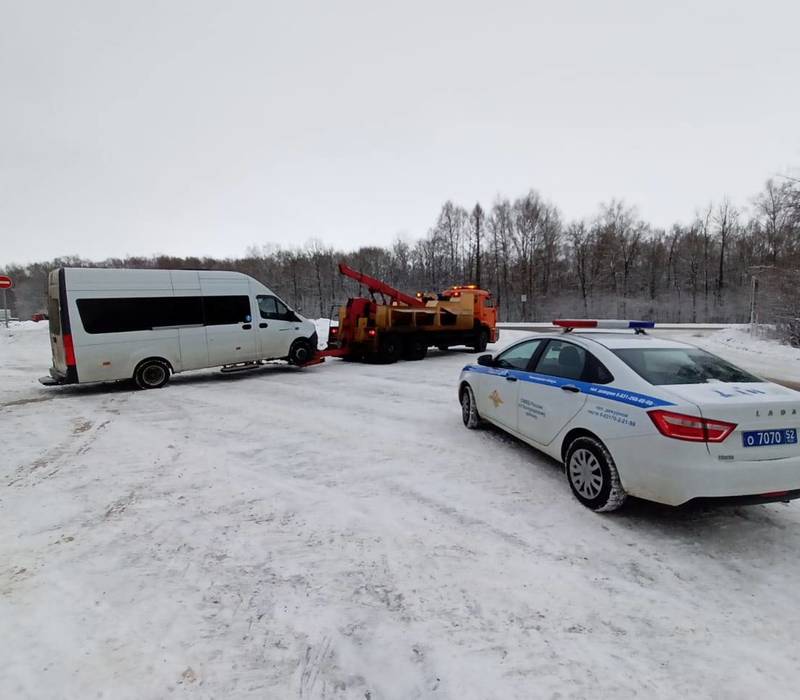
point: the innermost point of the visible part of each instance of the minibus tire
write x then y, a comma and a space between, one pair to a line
151, 374
301, 352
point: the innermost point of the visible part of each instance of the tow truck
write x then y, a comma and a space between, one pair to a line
399, 325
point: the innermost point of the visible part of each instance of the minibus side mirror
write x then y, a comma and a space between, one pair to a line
486, 361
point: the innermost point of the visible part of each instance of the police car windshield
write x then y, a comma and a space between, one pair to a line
662, 366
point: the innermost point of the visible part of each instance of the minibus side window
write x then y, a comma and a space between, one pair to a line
220, 311
267, 307
126, 314
273, 308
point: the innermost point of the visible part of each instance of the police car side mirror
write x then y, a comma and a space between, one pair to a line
486, 360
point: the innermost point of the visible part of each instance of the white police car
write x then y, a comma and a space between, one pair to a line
631, 414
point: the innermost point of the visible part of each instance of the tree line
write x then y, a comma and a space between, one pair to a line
538, 264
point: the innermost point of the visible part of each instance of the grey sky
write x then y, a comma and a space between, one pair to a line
193, 127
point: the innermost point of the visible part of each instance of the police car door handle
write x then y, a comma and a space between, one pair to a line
571, 387
510, 378
263, 325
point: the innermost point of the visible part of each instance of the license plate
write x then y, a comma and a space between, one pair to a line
769, 438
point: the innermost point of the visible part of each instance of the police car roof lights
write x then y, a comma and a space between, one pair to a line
571, 324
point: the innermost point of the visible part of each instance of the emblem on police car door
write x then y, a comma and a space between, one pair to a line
494, 397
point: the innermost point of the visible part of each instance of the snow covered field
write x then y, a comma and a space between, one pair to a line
335, 533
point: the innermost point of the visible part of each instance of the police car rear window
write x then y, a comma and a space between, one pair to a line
661, 366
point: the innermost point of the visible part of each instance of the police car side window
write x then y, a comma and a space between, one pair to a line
519, 356
562, 359
595, 371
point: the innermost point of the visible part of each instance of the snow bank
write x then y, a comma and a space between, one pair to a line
322, 325
23, 325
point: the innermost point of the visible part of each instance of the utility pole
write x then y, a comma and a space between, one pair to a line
753, 306
755, 271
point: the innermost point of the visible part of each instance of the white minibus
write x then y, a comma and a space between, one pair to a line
113, 324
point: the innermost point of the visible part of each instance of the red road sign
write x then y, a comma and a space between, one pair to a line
5, 282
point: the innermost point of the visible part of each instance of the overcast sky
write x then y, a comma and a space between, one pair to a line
201, 128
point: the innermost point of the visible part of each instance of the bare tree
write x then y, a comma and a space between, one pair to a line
477, 222
725, 218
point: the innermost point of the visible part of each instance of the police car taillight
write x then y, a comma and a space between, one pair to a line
691, 428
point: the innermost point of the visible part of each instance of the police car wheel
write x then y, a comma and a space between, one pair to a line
593, 476
469, 409
151, 374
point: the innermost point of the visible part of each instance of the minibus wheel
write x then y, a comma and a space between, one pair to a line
301, 352
151, 374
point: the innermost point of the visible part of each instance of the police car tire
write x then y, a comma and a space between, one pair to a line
469, 409
151, 374
611, 495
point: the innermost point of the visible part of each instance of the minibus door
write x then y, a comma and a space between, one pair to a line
229, 330
54, 318
277, 327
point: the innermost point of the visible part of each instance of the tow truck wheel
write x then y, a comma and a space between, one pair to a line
300, 352
469, 409
414, 349
593, 476
481, 340
389, 349
151, 374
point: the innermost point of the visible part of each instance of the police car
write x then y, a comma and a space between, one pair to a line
631, 414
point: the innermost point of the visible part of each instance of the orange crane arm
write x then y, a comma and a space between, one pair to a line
376, 286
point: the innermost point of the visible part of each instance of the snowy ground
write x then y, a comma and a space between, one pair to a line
335, 532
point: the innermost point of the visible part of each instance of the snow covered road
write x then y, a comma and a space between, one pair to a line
335, 533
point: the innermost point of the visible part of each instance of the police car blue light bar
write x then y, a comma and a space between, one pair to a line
606, 323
